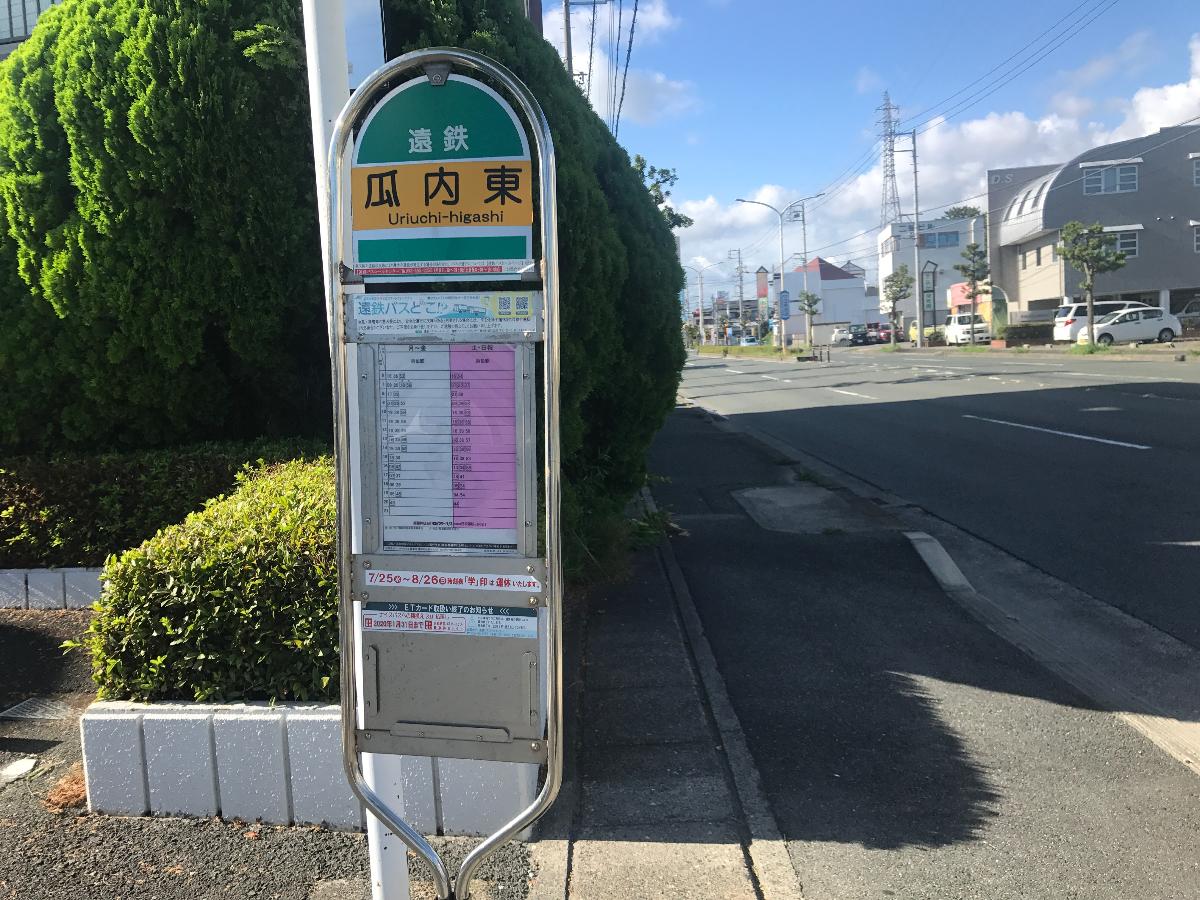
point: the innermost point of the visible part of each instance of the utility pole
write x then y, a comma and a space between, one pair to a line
567, 38
782, 213
920, 277
700, 270
741, 287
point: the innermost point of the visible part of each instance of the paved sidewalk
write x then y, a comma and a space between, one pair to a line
657, 815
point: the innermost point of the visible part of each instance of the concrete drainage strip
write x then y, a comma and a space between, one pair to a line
280, 764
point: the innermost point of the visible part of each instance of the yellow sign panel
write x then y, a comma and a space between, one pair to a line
448, 194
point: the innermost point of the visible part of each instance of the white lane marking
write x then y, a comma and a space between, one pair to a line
735, 372
787, 381
769, 377
957, 368
1070, 434
852, 394
1101, 409
1177, 543
1119, 378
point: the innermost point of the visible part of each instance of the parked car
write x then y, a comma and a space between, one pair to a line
1072, 318
840, 337
933, 333
1148, 324
749, 342
1189, 316
885, 333
960, 329
873, 332
859, 336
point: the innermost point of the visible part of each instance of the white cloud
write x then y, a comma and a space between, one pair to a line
649, 95
867, 81
954, 159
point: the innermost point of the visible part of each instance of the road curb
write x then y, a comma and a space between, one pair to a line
777, 879
942, 567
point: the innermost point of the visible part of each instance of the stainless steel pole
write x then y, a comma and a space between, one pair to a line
567, 38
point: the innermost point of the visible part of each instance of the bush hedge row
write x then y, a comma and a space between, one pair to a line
238, 601
75, 509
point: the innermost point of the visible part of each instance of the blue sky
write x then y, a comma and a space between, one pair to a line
775, 99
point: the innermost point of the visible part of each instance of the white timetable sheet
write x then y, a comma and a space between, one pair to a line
448, 448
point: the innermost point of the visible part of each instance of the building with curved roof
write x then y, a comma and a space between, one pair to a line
1146, 191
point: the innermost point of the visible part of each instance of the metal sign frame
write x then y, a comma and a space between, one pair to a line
436, 63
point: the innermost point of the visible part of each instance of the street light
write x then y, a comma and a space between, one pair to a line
782, 213
700, 300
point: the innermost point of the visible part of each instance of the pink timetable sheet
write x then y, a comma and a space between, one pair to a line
448, 447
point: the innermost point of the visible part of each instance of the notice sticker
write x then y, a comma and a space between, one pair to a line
450, 618
454, 581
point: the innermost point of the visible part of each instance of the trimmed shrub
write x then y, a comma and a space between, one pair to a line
239, 601
622, 349
157, 197
1039, 333
75, 510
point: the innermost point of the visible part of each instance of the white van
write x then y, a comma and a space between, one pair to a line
1071, 319
961, 330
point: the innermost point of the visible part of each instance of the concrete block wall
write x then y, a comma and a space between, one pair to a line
276, 763
49, 588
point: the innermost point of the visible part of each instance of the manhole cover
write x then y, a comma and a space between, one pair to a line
37, 708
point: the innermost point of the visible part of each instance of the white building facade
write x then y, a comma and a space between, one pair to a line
844, 295
942, 242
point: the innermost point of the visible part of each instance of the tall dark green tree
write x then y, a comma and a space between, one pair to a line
622, 348
1091, 251
156, 183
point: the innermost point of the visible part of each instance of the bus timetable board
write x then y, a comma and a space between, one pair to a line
449, 567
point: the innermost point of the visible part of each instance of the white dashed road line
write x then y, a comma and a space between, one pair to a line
852, 394
1069, 434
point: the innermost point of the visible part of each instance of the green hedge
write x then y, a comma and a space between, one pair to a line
622, 350
74, 509
239, 601
1040, 333
159, 267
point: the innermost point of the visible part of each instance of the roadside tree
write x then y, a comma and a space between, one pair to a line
808, 303
962, 211
1092, 252
896, 288
975, 272
655, 180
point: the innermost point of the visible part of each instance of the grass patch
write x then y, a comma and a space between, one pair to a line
762, 351
972, 348
888, 348
1087, 349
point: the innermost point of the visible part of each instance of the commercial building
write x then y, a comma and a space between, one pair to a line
942, 243
1146, 191
17, 18
844, 294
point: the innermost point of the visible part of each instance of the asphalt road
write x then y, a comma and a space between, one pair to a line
1088, 469
905, 749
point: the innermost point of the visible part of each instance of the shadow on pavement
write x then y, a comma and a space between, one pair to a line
828, 645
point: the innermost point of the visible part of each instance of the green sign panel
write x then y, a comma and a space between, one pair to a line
442, 186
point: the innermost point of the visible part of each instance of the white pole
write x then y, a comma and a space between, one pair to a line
780, 289
918, 278
804, 255
328, 91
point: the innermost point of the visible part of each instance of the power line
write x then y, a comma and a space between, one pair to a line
591, 51
625, 77
998, 65
961, 107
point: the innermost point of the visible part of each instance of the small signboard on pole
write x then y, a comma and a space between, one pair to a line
442, 186
785, 305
